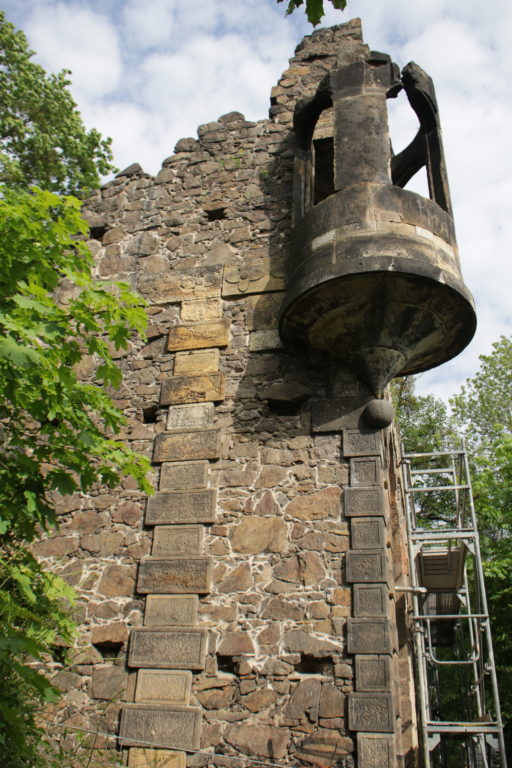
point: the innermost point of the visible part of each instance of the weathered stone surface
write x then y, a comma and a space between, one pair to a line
235, 644
193, 506
177, 575
164, 610
176, 648
193, 363
254, 276
368, 636
366, 566
358, 442
178, 475
265, 740
169, 540
166, 725
259, 700
363, 502
288, 395
117, 580
263, 310
140, 757
367, 533
259, 534
259, 341
372, 712
332, 701
109, 682
316, 506
200, 311
108, 634
323, 749
336, 414
373, 673
375, 751
179, 285
298, 641
164, 685
366, 471
238, 579
371, 600
179, 446
190, 416
199, 336
200, 388
279, 609
305, 700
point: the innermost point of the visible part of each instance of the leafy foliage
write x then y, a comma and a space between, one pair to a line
57, 432
314, 8
42, 137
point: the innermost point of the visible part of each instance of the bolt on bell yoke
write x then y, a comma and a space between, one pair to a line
373, 274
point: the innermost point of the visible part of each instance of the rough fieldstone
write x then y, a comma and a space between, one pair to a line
298, 641
235, 644
259, 534
305, 700
316, 506
332, 701
323, 749
117, 580
265, 740
109, 682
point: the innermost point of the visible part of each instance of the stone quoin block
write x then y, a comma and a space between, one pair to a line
200, 388
364, 502
367, 533
365, 471
357, 442
166, 725
163, 685
372, 712
190, 416
369, 636
141, 757
373, 673
180, 446
181, 284
194, 506
179, 475
193, 363
164, 610
171, 540
163, 648
177, 575
375, 751
370, 600
366, 566
199, 336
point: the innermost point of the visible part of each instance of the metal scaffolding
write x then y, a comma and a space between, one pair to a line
457, 691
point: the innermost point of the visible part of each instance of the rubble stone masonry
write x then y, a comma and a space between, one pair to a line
249, 608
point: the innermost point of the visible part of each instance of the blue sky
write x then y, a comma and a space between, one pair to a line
148, 73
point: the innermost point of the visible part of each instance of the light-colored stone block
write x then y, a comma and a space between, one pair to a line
181, 507
200, 388
198, 336
171, 540
168, 610
193, 363
166, 725
180, 475
201, 310
163, 685
140, 757
167, 648
178, 446
178, 575
190, 416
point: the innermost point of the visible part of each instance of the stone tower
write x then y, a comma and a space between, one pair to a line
252, 608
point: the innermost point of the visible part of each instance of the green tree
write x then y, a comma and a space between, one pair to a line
314, 8
423, 419
57, 432
42, 138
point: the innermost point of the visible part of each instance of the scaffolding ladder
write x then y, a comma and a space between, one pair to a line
457, 690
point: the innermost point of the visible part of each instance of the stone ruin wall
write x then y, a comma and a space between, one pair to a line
249, 607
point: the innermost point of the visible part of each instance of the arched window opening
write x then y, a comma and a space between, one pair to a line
322, 154
404, 128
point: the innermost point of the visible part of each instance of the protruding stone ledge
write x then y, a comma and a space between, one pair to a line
373, 673
180, 446
198, 336
194, 506
177, 575
372, 712
364, 501
366, 566
359, 443
200, 388
169, 610
375, 751
163, 686
166, 725
369, 636
159, 648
